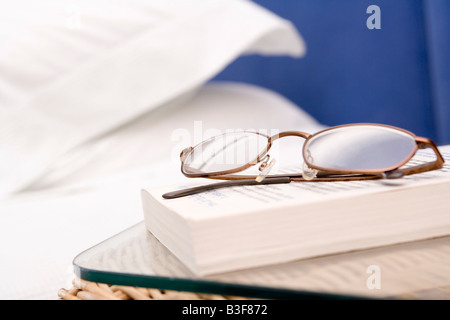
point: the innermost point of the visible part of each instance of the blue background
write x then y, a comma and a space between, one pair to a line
398, 75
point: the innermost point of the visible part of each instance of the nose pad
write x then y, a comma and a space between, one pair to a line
307, 172
265, 168
265, 159
262, 166
264, 162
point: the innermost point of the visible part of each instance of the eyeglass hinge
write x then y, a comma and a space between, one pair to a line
184, 153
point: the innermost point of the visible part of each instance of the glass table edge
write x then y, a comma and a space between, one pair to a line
197, 285
205, 286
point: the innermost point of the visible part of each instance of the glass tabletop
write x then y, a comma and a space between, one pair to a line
417, 270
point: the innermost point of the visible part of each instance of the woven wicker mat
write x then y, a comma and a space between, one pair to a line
84, 290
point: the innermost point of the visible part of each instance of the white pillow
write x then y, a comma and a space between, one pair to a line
72, 70
159, 136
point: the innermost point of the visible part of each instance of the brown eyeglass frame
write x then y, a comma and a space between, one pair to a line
323, 174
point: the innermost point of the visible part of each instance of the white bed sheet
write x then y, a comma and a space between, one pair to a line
94, 192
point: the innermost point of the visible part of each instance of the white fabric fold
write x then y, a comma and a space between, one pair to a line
65, 82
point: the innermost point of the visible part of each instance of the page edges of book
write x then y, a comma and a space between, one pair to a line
162, 229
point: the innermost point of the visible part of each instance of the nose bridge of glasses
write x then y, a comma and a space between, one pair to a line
282, 134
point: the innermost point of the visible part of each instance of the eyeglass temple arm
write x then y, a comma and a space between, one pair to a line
225, 184
423, 143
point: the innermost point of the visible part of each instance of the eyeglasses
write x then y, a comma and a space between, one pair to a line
343, 153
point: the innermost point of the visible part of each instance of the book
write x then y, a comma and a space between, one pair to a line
250, 226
